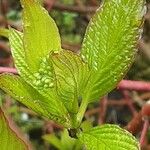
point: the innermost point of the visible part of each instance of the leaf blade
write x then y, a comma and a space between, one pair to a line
108, 137
109, 45
40, 33
70, 72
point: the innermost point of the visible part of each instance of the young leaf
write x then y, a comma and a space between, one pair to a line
40, 33
108, 137
109, 45
9, 140
70, 74
26, 94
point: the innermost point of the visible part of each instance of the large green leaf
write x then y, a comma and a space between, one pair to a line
108, 137
70, 72
40, 33
16, 87
9, 140
109, 45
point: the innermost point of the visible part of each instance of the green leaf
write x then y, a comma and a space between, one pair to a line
109, 45
108, 137
4, 32
42, 80
70, 72
9, 139
65, 142
16, 87
54, 140
17, 50
40, 33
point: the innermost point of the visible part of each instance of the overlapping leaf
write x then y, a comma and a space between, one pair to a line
40, 33
37, 81
109, 45
16, 87
108, 137
70, 73
9, 140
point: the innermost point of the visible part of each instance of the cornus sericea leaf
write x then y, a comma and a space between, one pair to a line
108, 137
8, 137
70, 74
40, 33
109, 45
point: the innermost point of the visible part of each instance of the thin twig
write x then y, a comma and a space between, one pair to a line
144, 132
74, 9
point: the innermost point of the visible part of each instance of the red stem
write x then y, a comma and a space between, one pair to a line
8, 70
144, 132
134, 85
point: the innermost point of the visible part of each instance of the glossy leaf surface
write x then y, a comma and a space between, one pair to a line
108, 137
109, 45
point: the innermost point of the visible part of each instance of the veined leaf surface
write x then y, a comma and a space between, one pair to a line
70, 72
9, 140
109, 45
40, 33
16, 87
108, 137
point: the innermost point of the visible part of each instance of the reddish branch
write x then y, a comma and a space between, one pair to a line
103, 110
8, 70
135, 125
75, 9
129, 102
144, 132
134, 85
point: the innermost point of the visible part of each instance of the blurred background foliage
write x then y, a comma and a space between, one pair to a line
72, 18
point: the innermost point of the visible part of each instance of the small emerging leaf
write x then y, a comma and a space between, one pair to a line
70, 73
108, 137
9, 140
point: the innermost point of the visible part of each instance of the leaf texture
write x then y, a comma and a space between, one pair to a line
108, 137
109, 45
9, 140
70, 73
26, 94
40, 33
42, 80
